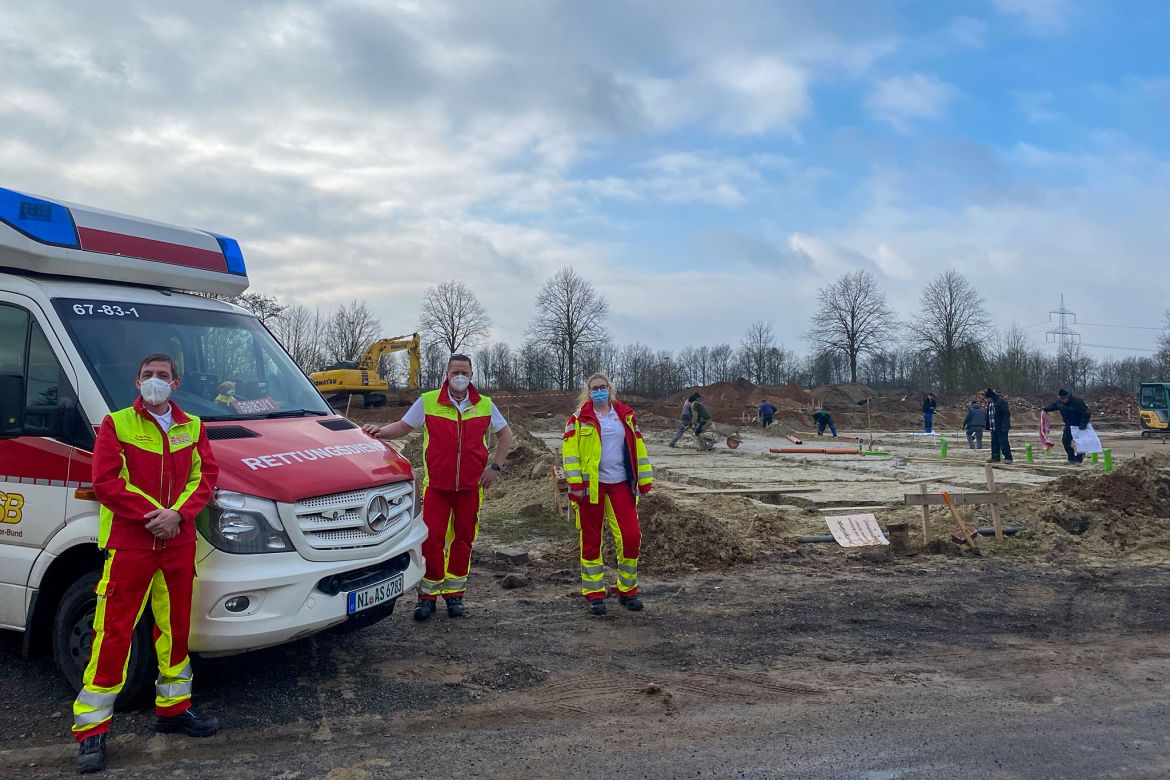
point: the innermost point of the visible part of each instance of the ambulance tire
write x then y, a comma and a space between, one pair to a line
73, 639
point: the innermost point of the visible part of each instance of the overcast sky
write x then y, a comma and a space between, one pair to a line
704, 164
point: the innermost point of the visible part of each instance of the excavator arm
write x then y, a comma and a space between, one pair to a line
371, 358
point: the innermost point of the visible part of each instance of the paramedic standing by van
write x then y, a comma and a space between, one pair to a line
455, 419
153, 472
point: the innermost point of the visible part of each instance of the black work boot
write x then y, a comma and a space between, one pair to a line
632, 603
190, 723
597, 606
424, 609
91, 755
455, 607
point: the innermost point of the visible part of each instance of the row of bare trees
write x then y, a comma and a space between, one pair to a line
948, 344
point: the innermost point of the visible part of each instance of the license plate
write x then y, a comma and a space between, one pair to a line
375, 594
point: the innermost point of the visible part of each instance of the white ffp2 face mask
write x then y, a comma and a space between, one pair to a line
459, 383
155, 390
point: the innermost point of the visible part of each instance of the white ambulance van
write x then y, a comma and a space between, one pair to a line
314, 525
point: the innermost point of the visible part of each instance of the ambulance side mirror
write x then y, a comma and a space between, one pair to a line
11, 406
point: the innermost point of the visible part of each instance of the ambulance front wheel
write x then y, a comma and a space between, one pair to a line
73, 640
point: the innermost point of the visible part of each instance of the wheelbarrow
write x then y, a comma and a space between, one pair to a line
713, 432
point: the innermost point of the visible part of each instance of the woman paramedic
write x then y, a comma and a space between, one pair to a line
607, 469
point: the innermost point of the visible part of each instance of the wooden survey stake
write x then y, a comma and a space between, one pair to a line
995, 521
963, 532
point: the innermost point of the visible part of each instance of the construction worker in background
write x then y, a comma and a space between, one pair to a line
999, 422
684, 421
824, 420
153, 472
702, 418
1073, 411
607, 469
928, 407
455, 421
767, 411
975, 422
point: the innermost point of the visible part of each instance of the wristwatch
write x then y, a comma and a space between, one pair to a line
496, 467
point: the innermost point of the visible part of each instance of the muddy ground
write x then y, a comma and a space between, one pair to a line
1048, 656
922, 668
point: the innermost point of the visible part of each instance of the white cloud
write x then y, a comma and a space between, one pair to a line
902, 98
735, 95
1041, 17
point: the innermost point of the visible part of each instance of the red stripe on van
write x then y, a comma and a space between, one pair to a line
93, 240
43, 459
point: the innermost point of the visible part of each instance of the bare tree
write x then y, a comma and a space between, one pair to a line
723, 364
756, 350
852, 319
452, 315
265, 307
301, 332
570, 317
952, 317
349, 331
1162, 356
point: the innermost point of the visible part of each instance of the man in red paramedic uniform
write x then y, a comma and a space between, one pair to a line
455, 420
153, 472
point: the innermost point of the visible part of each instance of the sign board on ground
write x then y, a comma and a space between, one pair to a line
856, 530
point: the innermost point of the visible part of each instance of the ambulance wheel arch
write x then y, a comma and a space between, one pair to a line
61, 621
73, 641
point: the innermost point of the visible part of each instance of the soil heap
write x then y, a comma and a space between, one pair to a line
1125, 514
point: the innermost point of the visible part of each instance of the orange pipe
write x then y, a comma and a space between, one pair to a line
793, 439
812, 451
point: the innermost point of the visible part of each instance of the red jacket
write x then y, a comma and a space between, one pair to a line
455, 449
137, 469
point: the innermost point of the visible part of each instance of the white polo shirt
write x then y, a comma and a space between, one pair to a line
613, 449
415, 416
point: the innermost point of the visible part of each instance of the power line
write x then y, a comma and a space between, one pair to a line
1062, 334
1110, 346
1132, 327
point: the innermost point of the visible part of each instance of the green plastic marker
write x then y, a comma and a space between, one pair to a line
942, 448
1108, 460
1028, 452
1094, 458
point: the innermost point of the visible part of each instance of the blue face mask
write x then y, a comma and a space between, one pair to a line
599, 396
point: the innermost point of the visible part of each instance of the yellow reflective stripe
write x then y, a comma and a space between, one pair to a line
596, 570
573, 474
429, 587
454, 584
569, 461
629, 568
194, 480
173, 686
84, 720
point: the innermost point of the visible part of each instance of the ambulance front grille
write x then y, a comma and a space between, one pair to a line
340, 521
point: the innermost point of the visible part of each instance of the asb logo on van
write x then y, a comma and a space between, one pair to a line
11, 513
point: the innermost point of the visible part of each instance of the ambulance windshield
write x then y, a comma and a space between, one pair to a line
230, 366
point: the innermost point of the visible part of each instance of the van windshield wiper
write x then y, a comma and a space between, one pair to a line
294, 413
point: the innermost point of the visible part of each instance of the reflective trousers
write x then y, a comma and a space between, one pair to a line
452, 521
129, 579
616, 505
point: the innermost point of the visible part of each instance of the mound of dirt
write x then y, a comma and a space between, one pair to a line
1123, 514
731, 402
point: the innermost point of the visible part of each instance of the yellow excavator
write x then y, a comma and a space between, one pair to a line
362, 377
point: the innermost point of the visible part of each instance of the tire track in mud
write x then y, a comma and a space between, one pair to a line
606, 693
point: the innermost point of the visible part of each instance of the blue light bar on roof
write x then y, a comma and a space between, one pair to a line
39, 219
232, 253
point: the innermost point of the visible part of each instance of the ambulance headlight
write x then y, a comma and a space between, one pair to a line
239, 523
